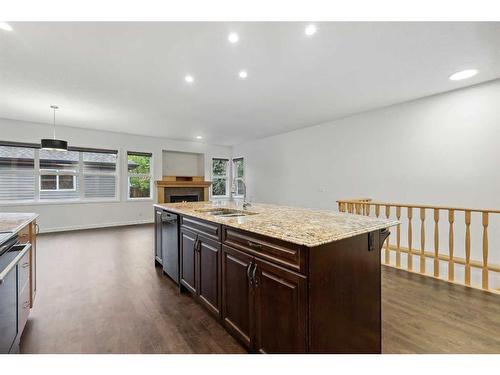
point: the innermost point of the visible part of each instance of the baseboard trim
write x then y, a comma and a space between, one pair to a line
94, 226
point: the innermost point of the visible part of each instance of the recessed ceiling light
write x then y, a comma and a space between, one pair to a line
233, 38
189, 79
5, 26
463, 74
199, 137
243, 74
311, 30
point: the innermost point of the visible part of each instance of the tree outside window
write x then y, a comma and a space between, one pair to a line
220, 177
239, 177
139, 175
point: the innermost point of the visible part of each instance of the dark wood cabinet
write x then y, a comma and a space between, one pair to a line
200, 268
280, 309
188, 273
280, 297
237, 294
209, 273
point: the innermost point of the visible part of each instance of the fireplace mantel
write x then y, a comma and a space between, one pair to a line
181, 182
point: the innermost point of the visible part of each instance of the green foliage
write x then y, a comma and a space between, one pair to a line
139, 164
219, 186
139, 186
219, 167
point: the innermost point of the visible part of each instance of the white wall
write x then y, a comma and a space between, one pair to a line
442, 150
183, 164
55, 217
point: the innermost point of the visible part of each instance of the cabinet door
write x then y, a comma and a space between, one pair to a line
280, 309
158, 240
188, 260
209, 273
237, 294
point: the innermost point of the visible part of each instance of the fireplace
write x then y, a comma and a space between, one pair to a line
178, 189
181, 194
184, 198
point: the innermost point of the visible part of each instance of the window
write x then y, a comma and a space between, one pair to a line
59, 174
139, 175
28, 173
17, 173
220, 177
99, 174
239, 177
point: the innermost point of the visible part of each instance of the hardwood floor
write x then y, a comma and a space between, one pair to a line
98, 292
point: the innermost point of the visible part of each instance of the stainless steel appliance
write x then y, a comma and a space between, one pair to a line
170, 244
11, 252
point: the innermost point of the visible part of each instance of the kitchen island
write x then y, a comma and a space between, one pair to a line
283, 279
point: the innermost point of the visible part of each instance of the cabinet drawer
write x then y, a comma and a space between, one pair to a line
278, 251
211, 230
23, 308
24, 270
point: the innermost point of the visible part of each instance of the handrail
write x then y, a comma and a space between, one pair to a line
426, 206
411, 215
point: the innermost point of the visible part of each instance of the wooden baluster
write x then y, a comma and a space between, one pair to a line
349, 208
485, 251
387, 252
398, 238
422, 240
377, 210
368, 209
436, 242
451, 264
410, 254
467, 247
363, 206
358, 208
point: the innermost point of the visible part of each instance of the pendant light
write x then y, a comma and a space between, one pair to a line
54, 144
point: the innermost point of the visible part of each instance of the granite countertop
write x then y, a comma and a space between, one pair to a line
297, 225
13, 222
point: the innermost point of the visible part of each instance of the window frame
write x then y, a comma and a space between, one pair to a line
77, 174
150, 175
227, 176
57, 181
235, 178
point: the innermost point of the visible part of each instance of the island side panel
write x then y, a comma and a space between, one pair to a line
345, 296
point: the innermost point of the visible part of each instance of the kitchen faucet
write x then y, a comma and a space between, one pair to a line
245, 203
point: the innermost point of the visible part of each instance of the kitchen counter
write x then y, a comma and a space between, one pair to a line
300, 226
13, 222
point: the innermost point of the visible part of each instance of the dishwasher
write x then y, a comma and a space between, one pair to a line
170, 244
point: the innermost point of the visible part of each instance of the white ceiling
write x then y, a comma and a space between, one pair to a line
129, 77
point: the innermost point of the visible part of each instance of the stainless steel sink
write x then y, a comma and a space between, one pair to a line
226, 212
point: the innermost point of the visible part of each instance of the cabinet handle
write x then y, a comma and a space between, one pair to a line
248, 273
255, 281
25, 264
37, 229
254, 245
196, 245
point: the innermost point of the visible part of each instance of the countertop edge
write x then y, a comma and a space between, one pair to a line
16, 230
26, 222
271, 235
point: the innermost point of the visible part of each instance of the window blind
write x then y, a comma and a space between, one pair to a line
17, 173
